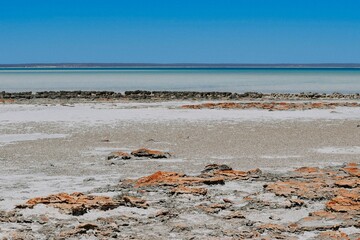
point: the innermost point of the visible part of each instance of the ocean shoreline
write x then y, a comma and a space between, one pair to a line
149, 96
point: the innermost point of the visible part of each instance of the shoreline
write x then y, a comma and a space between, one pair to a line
156, 96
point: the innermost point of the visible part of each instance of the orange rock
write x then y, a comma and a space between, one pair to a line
323, 214
222, 170
187, 190
303, 189
119, 155
333, 235
136, 202
352, 169
144, 152
273, 227
236, 214
348, 182
231, 174
345, 201
175, 179
75, 203
307, 170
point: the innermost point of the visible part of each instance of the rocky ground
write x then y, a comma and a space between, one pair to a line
149, 172
218, 203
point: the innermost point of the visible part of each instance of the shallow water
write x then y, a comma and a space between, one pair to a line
234, 80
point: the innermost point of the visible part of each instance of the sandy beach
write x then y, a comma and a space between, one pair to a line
52, 148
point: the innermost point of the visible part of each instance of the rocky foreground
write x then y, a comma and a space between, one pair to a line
217, 203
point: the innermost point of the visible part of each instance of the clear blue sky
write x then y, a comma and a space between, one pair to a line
180, 31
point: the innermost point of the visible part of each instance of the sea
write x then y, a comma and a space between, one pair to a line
266, 80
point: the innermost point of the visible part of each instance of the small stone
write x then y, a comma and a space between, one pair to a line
136, 202
188, 190
144, 152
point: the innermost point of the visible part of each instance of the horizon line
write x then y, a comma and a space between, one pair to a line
100, 64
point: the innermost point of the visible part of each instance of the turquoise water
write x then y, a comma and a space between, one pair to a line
234, 80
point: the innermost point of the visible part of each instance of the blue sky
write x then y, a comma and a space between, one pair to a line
180, 31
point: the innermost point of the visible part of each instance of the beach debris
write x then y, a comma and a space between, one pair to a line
144, 152
76, 203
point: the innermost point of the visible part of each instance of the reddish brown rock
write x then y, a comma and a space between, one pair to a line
271, 106
175, 179
272, 227
236, 214
226, 172
345, 201
136, 202
348, 182
323, 215
303, 189
75, 203
352, 169
333, 235
144, 152
188, 190
307, 170
119, 155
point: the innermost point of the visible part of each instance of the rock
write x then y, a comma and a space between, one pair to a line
352, 169
75, 203
226, 200
348, 182
272, 227
175, 179
118, 155
236, 214
215, 167
188, 190
228, 173
136, 202
303, 189
87, 226
345, 201
332, 235
213, 208
144, 152
307, 170
296, 203
271, 106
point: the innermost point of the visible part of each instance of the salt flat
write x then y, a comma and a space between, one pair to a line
63, 148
